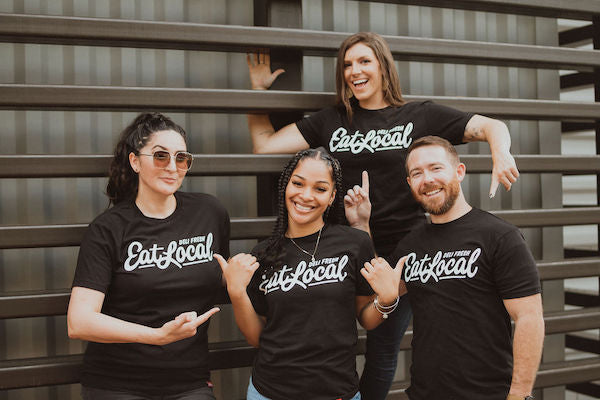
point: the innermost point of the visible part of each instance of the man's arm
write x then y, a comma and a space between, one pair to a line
527, 343
495, 132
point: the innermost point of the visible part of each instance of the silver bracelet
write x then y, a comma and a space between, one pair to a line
385, 310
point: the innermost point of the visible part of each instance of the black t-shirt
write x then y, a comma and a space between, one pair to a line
307, 347
151, 270
377, 141
458, 274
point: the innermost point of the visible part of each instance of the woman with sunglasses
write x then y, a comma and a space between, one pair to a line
146, 280
370, 128
313, 279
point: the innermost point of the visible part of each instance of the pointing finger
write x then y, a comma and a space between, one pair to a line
493, 186
365, 181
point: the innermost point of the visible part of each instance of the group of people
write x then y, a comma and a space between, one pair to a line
350, 242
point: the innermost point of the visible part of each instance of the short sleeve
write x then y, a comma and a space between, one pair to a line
515, 270
257, 297
225, 233
312, 127
94, 263
366, 253
446, 122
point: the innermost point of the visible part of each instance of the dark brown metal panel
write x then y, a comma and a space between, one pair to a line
55, 166
130, 33
66, 97
561, 373
574, 126
574, 35
564, 269
571, 9
578, 79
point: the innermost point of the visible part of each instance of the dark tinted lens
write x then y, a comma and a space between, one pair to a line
161, 158
183, 160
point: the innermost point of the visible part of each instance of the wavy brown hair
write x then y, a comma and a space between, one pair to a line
390, 81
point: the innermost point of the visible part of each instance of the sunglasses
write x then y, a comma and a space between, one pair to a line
162, 158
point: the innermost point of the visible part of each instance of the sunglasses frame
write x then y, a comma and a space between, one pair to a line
156, 161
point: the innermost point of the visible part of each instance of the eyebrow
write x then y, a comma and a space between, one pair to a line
303, 178
164, 148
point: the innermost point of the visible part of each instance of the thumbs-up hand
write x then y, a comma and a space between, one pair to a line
384, 279
238, 271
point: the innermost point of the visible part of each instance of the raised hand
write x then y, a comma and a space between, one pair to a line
385, 280
183, 326
259, 66
357, 205
238, 271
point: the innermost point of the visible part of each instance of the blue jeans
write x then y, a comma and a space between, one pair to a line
90, 393
381, 358
253, 394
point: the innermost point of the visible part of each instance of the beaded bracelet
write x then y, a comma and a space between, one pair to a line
385, 310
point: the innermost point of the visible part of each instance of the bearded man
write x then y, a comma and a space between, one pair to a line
467, 274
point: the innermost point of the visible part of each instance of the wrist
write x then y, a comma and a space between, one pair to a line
386, 301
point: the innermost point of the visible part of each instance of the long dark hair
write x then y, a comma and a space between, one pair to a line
389, 80
122, 179
273, 253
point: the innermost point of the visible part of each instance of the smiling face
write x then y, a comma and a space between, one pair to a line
434, 179
362, 74
156, 181
308, 193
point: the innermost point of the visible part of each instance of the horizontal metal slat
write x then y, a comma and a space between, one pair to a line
24, 236
68, 97
68, 166
572, 320
177, 35
572, 268
21, 236
551, 217
561, 373
66, 369
572, 9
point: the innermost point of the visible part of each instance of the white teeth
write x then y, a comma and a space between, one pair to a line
433, 192
358, 82
302, 208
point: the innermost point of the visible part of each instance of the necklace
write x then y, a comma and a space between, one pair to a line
312, 256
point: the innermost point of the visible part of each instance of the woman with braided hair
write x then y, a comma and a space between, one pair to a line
297, 297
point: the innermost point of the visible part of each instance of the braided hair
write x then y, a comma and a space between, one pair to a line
273, 253
122, 179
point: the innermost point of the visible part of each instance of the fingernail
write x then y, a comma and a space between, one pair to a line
491, 195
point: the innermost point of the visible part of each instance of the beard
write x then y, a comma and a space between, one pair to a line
452, 191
